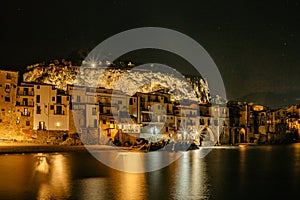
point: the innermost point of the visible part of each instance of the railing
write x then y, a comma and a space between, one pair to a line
59, 113
24, 104
25, 93
25, 114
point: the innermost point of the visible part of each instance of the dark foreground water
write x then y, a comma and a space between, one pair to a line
253, 172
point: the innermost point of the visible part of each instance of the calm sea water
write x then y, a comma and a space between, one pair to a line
253, 172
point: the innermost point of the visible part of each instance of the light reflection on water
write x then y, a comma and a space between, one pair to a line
225, 173
53, 174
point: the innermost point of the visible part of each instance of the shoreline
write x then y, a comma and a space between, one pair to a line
20, 148
24, 148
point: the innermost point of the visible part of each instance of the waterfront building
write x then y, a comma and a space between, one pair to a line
51, 111
154, 110
186, 120
277, 125
25, 108
8, 90
115, 115
220, 118
84, 114
239, 124
293, 120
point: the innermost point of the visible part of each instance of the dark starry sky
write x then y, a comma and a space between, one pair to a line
255, 44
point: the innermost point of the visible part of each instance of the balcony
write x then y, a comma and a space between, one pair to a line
23, 93
59, 112
24, 104
25, 114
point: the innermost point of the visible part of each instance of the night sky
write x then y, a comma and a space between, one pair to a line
255, 45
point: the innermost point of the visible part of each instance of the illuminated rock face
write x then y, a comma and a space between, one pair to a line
192, 88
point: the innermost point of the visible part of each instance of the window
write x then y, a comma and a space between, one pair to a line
8, 76
130, 101
94, 111
38, 98
26, 111
51, 107
53, 98
68, 98
7, 99
38, 110
58, 99
59, 110
119, 101
78, 98
38, 87
95, 123
7, 86
216, 123
104, 121
0, 120
27, 123
201, 121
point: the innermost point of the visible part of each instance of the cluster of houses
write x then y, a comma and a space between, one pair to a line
46, 114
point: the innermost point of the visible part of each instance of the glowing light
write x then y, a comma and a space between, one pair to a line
57, 124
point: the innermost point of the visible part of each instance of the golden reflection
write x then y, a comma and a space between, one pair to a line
198, 175
183, 176
134, 186
191, 170
42, 163
242, 151
130, 162
296, 155
54, 171
93, 188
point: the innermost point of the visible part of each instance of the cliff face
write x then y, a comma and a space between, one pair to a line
126, 80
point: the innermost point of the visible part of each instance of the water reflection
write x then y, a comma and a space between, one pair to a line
92, 188
136, 162
225, 173
53, 174
129, 186
42, 163
191, 179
